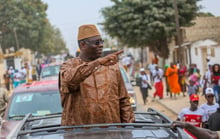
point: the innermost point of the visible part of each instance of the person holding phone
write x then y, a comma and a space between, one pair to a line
91, 87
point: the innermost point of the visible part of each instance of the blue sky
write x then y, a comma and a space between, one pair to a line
68, 15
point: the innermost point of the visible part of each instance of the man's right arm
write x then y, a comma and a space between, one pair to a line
73, 72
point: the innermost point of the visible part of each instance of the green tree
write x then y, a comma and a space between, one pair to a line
52, 41
203, 14
24, 23
141, 23
23, 19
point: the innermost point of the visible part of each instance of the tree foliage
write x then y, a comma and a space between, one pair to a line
26, 21
140, 23
203, 14
52, 40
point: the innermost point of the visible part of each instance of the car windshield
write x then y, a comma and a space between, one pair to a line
124, 75
50, 71
37, 103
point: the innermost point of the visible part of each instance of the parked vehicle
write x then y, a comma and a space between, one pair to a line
151, 124
38, 98
129, 88
50, 72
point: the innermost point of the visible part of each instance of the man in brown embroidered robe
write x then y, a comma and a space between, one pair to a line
92, 88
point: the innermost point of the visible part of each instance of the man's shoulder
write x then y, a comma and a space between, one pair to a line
200, 111
217, 105
185, 110
71, 61
203, 105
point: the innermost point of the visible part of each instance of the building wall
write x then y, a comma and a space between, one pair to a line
204, 28
203, 35
201, 50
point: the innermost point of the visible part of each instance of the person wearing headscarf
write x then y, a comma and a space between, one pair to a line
91, 87
173, 79
166, 81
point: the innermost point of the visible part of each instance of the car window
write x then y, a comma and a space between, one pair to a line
50, 71
37, 103
124, 75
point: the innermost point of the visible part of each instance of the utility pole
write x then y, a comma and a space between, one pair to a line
180, 57
16, 38
1, 50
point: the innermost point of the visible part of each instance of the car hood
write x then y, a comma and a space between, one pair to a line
8, 128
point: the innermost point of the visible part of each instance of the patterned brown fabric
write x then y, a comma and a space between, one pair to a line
93, 94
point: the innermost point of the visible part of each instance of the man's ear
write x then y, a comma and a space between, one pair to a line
82, 44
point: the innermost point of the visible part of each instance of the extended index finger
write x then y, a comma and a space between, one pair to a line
119, 52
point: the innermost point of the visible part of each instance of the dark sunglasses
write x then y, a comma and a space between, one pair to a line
97, 42
209, 96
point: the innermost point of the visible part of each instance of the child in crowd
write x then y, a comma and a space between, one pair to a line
192, 88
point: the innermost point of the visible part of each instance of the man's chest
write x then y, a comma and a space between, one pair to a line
194, 119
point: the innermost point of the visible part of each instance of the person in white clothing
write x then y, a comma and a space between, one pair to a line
17, 78
145, 84
210, 107
23, 73
151, 68
193, 114
158, 84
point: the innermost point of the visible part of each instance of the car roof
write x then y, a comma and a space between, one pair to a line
37, 86
150, 124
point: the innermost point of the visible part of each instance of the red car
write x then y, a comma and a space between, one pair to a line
39, 98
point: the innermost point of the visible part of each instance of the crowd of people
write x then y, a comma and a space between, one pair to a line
13, 77
189, 82
27, 73
182, 80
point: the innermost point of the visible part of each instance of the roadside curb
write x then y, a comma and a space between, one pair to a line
164, 105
